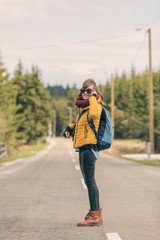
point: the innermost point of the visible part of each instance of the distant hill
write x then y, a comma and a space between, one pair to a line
58, 91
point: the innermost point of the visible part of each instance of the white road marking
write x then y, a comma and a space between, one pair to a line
113, 236
73, 160
77, 167
6, 172
25, 161
83, 183
70, 151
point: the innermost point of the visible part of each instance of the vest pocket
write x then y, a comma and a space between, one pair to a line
85, 132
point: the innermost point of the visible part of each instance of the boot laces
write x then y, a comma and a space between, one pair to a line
87, 216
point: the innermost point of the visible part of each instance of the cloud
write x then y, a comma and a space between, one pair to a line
124, 8
72, 39
21, 9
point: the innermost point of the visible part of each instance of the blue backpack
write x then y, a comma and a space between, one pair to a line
105, 131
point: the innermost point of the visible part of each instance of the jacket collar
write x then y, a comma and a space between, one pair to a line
85, 108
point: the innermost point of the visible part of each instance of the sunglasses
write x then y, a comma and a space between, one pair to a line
88, 90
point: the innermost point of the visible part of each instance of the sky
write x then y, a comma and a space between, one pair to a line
72, 40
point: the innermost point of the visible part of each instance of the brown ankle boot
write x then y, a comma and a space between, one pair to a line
100, 215
87, 216
94, 219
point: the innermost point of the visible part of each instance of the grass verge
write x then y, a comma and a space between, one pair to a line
131, 146
154, 163
24, 151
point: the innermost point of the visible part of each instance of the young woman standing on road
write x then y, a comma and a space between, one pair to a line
85, 143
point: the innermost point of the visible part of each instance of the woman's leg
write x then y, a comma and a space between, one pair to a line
87, 164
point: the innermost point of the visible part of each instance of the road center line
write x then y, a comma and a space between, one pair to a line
77, 167
113, 236
83, 183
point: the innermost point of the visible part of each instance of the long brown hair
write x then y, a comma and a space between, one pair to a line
89, 82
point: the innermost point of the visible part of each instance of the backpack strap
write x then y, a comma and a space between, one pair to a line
91, 124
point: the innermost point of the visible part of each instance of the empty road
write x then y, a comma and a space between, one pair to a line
43, 197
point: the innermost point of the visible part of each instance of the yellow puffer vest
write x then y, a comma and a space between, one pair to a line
83, 133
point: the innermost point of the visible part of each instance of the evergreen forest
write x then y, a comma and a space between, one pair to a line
27, 107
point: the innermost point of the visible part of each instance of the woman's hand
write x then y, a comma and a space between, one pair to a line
94, 92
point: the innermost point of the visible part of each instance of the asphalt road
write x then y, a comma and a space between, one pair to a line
43, 198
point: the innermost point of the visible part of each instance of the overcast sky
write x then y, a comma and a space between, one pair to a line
72, 40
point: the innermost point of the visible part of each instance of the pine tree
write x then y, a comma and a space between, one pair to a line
60, 106
156, 89
7, 106
71, 98
3, 79
34, 112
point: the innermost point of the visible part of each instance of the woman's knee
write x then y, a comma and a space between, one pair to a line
90, 183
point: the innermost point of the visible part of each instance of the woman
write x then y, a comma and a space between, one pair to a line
86, 143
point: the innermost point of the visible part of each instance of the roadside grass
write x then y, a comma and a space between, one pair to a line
131, 146
24, 151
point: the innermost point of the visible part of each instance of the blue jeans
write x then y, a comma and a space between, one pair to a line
87, 165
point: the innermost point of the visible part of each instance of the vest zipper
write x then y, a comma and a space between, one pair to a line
76, 129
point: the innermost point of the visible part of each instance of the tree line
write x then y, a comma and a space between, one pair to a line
25, 110
27, 106
131, 105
